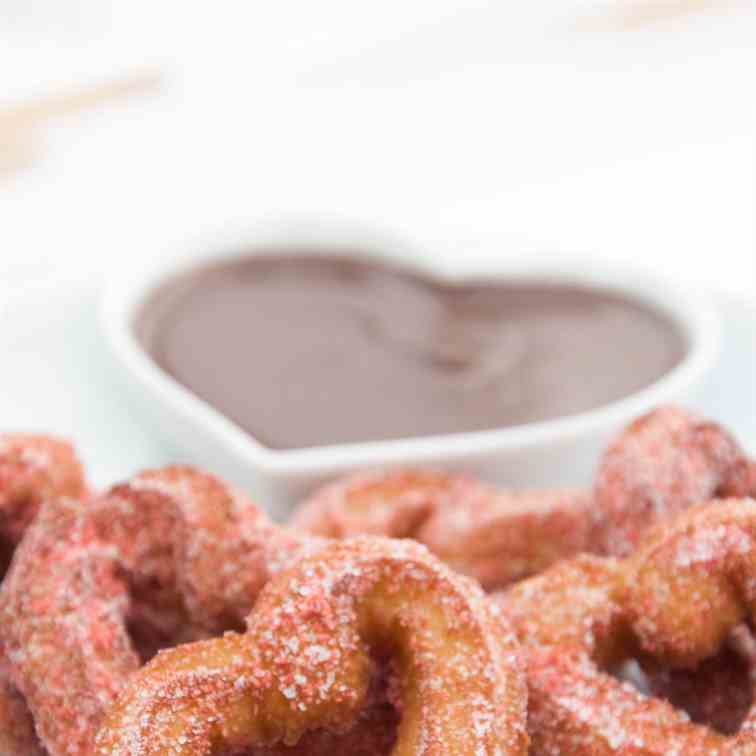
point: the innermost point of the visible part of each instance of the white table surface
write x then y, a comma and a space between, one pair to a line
554, 124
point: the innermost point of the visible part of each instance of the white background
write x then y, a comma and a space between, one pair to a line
550, 119
617, 128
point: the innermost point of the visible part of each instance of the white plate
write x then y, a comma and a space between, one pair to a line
57, 376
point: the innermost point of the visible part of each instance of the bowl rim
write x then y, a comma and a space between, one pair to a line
125, 292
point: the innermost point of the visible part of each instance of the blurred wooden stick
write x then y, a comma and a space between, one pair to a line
33, 112
637, 14
16, 153
18, 121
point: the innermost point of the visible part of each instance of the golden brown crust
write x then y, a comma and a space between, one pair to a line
374, 734
304, 663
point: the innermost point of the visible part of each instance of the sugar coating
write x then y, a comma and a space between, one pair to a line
393, 504
32, 469
506, 536
688, 585
304, 664
17, 737
661, 464
171, 556
494, 536
373, 734
680, 596
576, 708
177, 556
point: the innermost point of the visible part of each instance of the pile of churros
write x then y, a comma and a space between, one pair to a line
407, 612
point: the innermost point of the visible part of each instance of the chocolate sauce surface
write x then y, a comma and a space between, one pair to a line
304, 350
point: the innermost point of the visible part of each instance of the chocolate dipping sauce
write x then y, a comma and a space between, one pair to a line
305, 351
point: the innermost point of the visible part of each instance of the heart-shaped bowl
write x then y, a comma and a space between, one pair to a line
555, 452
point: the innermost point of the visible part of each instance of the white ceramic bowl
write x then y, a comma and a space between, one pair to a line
562, 451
